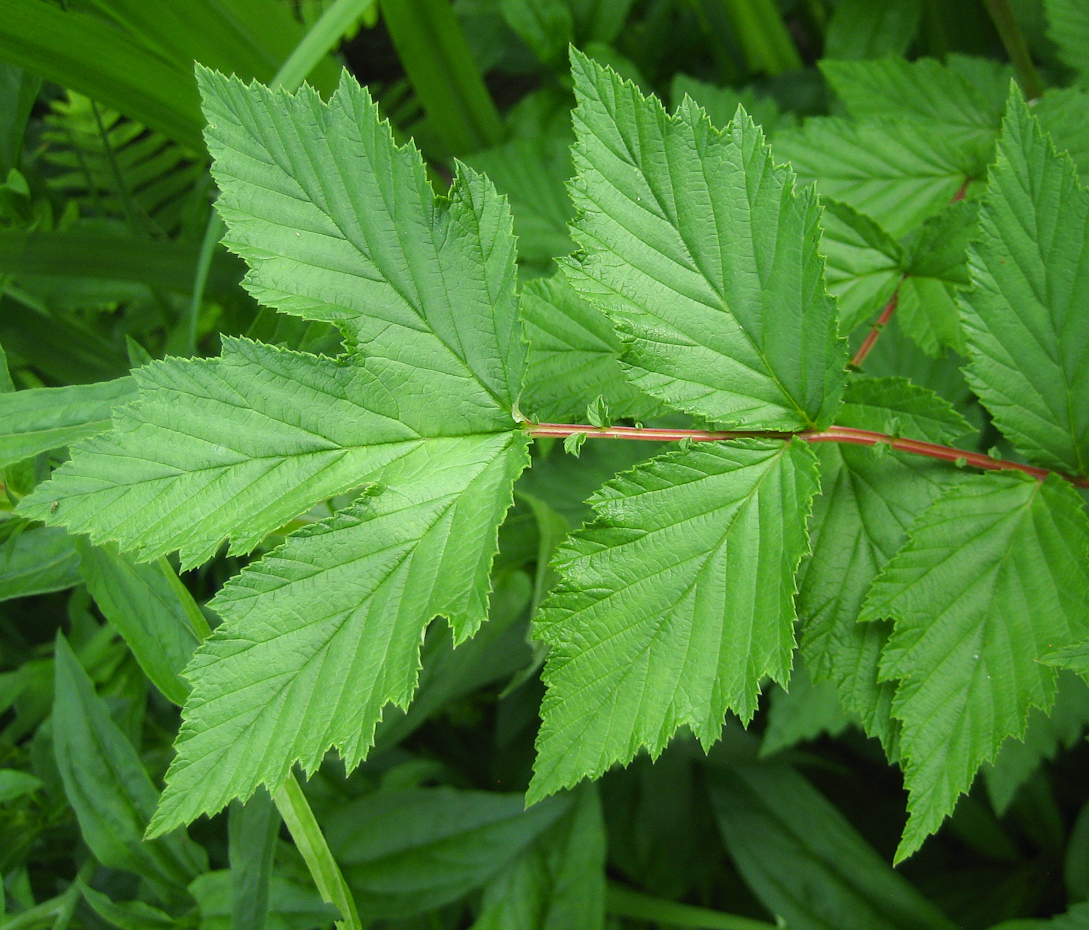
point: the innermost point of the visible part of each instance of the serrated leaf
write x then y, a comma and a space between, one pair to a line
1045, 734
108, 787
897, 173
942, 95
1028, 337
407, 851
805, 862
863, 263
559, 881
804, 712
338, 225
337, 611
993, 576
674, 603
860, 521
721, 103
573, 355
704, 257
237, 446
47, 418
533, 172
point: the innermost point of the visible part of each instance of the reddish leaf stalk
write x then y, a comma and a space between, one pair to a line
894, 300
844, 434
886, 315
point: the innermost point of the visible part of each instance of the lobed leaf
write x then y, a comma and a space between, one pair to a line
338, 611
673, 604
993, 576
704, 257
1028, 334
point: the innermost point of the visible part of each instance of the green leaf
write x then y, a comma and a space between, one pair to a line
127, 915
871, 28
805, 862
802, 713
943, 97
897, 173
864, 264
721, 103
1028, 338
102, 255
408, 851
574, 355
559, 881
94, 57
15, 784
144, 607
860, 521
546, 26
18, 91
292, 904
108, 788
43, 419
1077, 918
1074, 657
704, 257
252, 831
338, 611
993, 576
674, 603
1068, 28
1045, 735
533, 173
37, 560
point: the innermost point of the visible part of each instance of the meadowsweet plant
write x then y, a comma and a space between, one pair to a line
759, 425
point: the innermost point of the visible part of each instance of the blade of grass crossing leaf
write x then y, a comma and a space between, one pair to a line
321, 38
252, 832
109, 789
83, 52
42, 419
436, 57
993, 576
805, 862
145, 608
294, 808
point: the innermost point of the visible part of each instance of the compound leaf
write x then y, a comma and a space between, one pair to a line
674, 603
994, 575
704, 257
1028, 334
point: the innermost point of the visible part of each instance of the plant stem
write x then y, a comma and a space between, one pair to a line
624, 902
894, 300
436, 57
300, 820
320, 39
213, 232
843, 434
1016, 47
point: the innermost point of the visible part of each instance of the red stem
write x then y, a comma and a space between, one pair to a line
894, 300
886, 315
845, 434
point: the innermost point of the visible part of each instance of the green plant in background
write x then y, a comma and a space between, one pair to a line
813, 548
